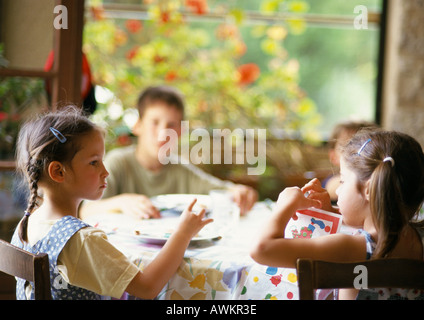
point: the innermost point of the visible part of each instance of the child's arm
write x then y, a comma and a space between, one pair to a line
290, 200
149, 283
273, 249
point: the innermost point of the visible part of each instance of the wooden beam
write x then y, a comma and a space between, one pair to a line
6, 72
66, 86
7, 165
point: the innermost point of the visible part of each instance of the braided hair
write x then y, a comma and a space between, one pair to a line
39, 144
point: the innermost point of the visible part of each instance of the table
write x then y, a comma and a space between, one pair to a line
210, 270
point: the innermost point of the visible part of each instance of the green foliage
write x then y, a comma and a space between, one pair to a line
17, 96
207, 62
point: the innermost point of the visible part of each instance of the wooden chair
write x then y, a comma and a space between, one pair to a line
381, 273
31, 267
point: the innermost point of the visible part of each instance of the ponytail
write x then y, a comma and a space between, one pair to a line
392, 164
386, 204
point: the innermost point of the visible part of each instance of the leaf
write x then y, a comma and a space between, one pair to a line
277, 33
238, 15
269, 46
244, 290
298, 6
297, 26
269, 6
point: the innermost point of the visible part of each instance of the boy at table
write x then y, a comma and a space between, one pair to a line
136, 172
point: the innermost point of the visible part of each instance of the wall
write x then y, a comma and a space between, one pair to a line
27, 32
403, 97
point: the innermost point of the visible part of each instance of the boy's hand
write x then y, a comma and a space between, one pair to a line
192, 222
245, 197
137, 205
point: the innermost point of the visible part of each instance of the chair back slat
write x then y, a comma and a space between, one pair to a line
28, 266
380, 273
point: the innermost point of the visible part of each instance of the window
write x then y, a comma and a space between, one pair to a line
305, 63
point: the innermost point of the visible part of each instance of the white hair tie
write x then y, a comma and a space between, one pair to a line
392, 161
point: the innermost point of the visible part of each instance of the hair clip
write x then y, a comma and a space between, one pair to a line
363, 146
387, 159
58, 135
27, 214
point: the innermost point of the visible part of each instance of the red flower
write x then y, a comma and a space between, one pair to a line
248, 73
97, 13
133, 26
197, 6
132, 53
3, 116
158, 59
165, 16
171, 76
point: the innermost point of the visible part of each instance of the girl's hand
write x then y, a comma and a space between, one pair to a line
293, 198
191, 222
317, 192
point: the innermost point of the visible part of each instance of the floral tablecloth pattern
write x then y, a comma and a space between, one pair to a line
211, 270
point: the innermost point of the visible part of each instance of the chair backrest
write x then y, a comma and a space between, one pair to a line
31, 267
380, 273
7, 287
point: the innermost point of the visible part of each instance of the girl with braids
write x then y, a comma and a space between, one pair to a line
381, 193
61, 156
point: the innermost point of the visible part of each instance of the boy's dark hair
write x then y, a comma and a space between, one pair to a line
351, 127
164, 94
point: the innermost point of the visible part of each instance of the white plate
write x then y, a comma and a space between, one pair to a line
172, 205
161, 240
158, 231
